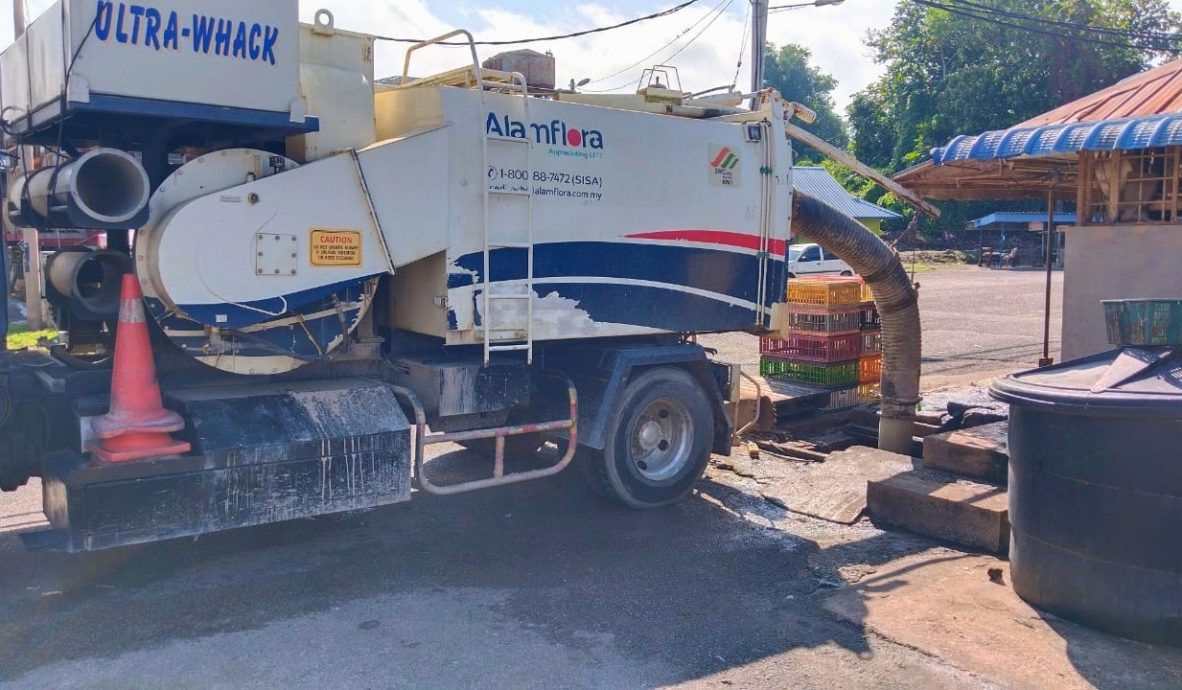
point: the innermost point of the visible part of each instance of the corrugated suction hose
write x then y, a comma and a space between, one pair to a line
898, 303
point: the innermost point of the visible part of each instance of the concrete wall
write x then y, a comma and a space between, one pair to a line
1114, 262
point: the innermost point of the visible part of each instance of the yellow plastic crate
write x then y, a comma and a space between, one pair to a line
867, 293
825, 292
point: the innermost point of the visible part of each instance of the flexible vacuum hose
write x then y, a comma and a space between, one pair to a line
898, 304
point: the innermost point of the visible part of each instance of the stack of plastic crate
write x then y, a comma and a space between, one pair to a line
824, 343
870, 363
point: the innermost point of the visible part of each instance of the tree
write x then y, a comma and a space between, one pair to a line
789, 71
948, 74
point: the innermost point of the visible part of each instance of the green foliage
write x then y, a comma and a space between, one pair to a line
789, 71
948, 74
20, 337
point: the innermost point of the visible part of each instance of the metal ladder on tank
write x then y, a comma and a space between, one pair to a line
484, 80
489, 329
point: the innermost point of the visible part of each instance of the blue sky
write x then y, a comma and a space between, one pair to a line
834, 34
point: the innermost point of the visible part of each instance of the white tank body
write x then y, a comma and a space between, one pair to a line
634, 223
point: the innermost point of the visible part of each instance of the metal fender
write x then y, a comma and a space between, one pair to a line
601, 373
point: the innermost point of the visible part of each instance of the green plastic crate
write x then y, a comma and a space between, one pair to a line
1144, 322
842, 375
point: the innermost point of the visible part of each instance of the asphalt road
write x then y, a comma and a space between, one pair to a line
979, 320
535, 586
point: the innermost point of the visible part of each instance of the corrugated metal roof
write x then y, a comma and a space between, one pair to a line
1155, 92
818, 183
1020, 218
1140, 112
1124, 134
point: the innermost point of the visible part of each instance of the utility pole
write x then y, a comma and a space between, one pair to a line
18, 18
759, 10
32, 240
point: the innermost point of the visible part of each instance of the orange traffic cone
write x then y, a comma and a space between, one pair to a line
138, 425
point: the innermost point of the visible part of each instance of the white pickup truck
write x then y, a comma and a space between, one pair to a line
809, 259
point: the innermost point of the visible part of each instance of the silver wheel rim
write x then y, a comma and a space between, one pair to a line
662, 440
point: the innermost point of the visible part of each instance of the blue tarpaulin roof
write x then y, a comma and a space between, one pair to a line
1124, 134
1016, 218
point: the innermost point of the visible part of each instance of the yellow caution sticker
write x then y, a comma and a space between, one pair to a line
335, 248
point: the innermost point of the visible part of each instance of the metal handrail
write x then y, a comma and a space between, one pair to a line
440, 39
499, 477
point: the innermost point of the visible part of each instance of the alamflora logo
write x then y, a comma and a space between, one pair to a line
556, 133
724, 170
725, 160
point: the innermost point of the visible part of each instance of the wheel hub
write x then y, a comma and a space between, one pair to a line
662, 440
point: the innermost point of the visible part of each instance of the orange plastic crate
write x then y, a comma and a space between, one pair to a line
825, 292
870, 369
812, 347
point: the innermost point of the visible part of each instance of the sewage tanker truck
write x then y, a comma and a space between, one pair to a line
335, 274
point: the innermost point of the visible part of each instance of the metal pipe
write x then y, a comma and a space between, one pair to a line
898, 303
93, 279
1046, 360
107, 186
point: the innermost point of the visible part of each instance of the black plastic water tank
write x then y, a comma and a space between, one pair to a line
1096, 490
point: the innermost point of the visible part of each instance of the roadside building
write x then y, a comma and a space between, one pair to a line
819, 184
1117, 156
1017, 238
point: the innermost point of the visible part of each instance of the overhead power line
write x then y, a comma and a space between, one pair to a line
1108, 31
644, 60
714, 15
557, 37
743, 46
997, 19
802, 5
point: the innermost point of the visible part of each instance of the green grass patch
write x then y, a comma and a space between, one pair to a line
20, 337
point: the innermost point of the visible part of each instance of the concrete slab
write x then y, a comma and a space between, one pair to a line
20, 511
981, 452
939, 505
961, 608
835, 491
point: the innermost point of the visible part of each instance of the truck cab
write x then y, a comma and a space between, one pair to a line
812, 259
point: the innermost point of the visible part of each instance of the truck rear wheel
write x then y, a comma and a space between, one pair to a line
659, 442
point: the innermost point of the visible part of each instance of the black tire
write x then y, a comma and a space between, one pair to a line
659, 441
22, 443
847, 274
792, 275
